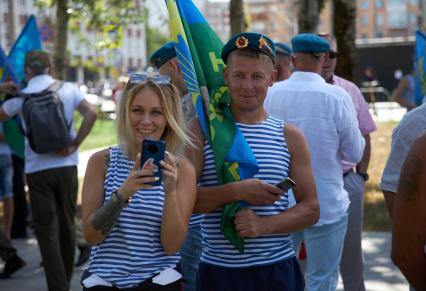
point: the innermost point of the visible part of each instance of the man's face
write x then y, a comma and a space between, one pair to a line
248, 80
171, 68
330, 64
283, 67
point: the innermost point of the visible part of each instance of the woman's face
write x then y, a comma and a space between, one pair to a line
146, 115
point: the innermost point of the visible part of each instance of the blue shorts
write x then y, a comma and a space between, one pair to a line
282, 276
6, 176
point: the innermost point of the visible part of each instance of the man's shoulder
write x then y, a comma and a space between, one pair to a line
417, 116
345, 83
336, 92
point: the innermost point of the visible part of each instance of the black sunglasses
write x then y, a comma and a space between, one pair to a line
135, 78
332, 55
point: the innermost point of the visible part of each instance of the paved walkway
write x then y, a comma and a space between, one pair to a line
380, 273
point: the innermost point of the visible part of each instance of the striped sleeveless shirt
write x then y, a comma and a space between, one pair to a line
270, 149
132, 251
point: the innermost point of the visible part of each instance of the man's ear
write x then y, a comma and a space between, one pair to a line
293, 60
225, 74
175, 65
273, 76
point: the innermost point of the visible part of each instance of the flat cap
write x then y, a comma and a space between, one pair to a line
163, 54
37, 59
282, 49
250, 40
309, 43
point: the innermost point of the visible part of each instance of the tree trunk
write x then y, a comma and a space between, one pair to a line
308, 17
12, 29
344, 30
236, 16
61, 38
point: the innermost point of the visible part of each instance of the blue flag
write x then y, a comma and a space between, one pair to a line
6, 69
420, 66
12, 68
28, 40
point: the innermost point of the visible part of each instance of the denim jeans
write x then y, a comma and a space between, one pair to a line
324, 245
191, 252
6, 175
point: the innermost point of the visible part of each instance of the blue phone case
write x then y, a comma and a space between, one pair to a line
155, 149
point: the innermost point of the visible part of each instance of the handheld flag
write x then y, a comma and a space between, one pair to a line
420, 64
12, 134
198, 50
28, 40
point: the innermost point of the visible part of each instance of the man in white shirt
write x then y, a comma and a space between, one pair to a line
326, 116
52, 177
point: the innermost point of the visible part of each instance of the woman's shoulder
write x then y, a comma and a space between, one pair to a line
100, 156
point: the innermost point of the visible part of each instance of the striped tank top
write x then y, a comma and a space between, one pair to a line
270, 149
132, 251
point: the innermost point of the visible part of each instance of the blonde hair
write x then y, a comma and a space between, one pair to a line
173, 134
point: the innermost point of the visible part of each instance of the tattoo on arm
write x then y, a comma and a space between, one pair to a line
409, 183
106, 216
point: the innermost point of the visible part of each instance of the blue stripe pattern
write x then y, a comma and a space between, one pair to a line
270, 149
132, 251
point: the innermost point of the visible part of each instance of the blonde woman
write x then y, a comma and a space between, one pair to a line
136, 228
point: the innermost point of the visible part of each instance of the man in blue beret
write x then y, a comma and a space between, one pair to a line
268, 261
326, 116
165, 60
282, 61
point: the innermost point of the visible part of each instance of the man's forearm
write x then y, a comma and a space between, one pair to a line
211, 198
294, 219
389, 199
85, 128
362, 166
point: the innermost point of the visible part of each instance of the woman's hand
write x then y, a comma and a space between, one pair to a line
170, 172
139, 178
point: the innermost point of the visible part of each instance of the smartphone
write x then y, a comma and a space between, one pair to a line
286, 184
152, 148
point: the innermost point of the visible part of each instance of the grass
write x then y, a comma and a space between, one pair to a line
102, 134
376, 217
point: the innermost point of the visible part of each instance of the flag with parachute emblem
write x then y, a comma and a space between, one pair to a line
198, 50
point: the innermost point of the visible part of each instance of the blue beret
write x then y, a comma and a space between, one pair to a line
309, 43
163, 54
282, 49
249, 40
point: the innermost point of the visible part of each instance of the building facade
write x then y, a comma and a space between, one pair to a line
87, 62
278, 18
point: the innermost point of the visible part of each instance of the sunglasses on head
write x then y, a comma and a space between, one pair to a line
332, 55
135, 78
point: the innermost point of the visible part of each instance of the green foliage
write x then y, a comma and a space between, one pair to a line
108, 18
154, 39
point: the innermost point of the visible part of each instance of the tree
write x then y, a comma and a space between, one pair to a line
308, 16
344, 30
107, 17
236, 16
154, 39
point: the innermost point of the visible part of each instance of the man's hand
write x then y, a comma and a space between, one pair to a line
9, 88
67, 151
256, 192
248, 224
